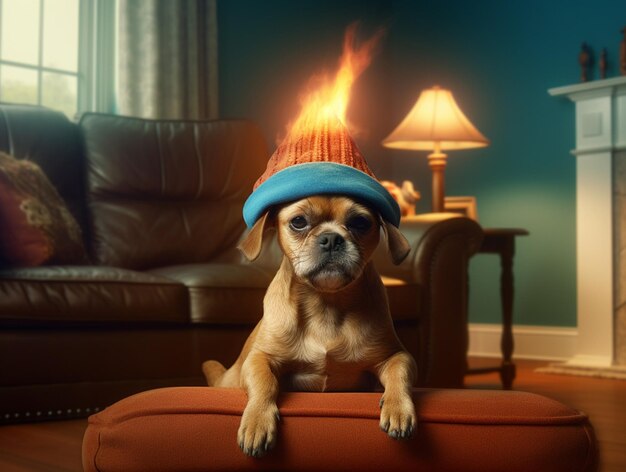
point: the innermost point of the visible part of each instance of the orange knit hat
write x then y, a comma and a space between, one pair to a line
323, 161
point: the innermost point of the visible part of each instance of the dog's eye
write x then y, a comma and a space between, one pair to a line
298, 223
359, 223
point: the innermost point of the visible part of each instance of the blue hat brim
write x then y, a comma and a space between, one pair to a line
320, 178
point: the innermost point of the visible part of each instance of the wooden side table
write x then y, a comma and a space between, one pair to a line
502, 241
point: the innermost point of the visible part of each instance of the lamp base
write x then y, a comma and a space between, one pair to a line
437, 163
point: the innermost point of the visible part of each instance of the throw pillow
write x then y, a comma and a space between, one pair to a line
36, 226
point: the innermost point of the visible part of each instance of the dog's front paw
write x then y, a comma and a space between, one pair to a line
397, 416
257, 431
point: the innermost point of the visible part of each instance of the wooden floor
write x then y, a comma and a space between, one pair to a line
57, 446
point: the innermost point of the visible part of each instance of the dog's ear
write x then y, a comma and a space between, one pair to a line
253, 242
398, 246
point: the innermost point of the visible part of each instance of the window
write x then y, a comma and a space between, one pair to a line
51, 53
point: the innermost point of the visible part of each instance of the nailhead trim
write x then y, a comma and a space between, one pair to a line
39, 415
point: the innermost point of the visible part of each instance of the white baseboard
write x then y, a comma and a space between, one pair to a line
531, 342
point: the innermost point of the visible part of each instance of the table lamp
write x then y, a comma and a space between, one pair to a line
435, 123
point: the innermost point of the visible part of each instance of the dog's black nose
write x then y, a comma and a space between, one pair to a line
330, 241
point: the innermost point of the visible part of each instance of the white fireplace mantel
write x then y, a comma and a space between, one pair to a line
600, 133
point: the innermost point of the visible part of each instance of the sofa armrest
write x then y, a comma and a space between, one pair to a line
441, 245
425, 234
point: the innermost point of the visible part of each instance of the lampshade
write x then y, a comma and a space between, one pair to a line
435, 121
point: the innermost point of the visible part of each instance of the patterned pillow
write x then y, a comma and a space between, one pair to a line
36, 227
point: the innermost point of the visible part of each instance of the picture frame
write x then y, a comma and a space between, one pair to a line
466, 206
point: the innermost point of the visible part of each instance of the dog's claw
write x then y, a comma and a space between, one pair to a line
397, 433
258, 451
401, 433
385, 426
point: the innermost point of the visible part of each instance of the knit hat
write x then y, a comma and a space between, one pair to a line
321, 160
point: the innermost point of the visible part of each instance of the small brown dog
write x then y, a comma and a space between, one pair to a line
326, 322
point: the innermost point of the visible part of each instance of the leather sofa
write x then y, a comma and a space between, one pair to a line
159, 204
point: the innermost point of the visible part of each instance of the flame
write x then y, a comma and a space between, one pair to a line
326, 106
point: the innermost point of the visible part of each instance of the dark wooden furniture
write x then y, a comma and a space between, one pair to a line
501, 241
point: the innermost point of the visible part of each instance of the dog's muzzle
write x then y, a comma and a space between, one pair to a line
336, 256
331, 242
331, 263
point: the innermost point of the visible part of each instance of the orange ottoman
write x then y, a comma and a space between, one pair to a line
195, 428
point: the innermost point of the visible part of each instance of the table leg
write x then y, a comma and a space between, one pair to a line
507, 371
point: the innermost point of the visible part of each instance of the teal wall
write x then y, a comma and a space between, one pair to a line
499, 58
269, 50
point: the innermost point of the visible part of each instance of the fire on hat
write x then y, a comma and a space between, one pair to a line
318, 156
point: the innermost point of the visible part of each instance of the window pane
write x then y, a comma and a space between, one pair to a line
60, 34
59, 92
18, 85
20, 31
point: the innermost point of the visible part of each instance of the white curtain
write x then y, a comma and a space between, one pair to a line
167, 55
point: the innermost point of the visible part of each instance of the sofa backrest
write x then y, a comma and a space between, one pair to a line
49, 139
168, 192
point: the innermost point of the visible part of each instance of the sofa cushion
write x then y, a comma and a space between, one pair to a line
37, 227
168, 192
79, 294
222, 293
184, 429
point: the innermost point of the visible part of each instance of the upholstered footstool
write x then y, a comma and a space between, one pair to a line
195, 428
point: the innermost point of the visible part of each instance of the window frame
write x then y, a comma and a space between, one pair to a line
95, 75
